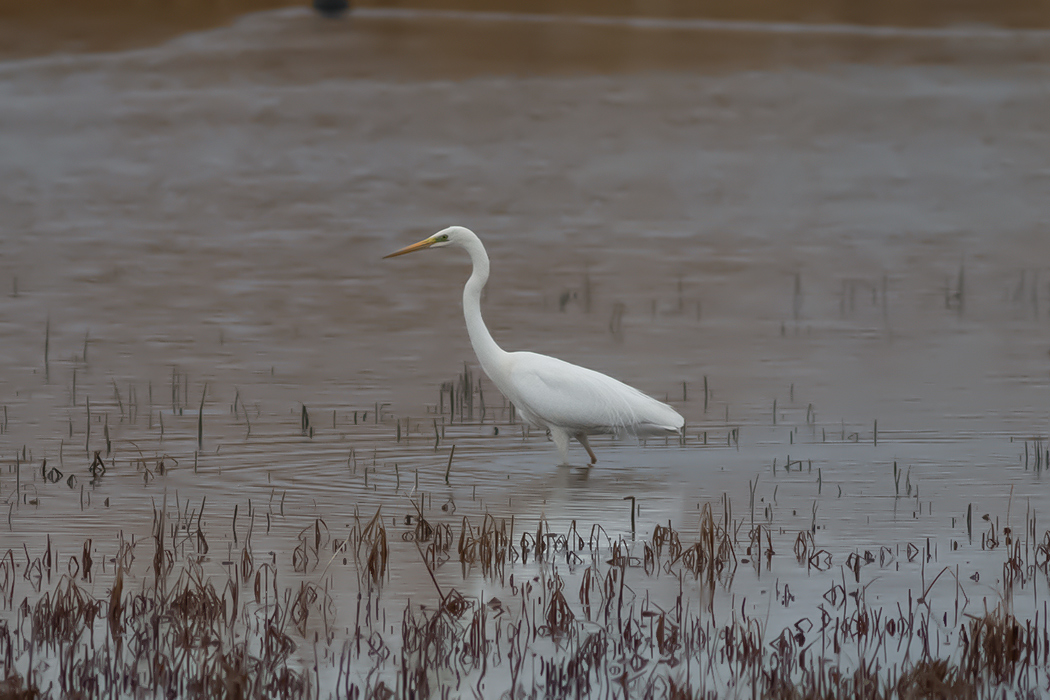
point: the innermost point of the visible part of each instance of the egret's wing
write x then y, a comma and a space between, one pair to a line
562, 394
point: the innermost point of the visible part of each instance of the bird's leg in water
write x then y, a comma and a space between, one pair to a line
582, 439
561, 441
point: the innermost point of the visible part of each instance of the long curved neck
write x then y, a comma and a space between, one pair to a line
489, 354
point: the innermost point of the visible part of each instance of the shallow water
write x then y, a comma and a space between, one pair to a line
843, 237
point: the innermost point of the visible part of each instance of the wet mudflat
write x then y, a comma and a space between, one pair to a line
226, 451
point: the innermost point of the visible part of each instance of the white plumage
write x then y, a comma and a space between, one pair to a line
567, 400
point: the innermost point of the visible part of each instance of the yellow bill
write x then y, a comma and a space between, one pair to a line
425, 243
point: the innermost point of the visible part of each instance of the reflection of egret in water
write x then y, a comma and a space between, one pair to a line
568, 400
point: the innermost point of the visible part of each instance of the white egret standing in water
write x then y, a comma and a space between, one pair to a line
568, 400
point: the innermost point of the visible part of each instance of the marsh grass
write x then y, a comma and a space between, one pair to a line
570, 617
521, 607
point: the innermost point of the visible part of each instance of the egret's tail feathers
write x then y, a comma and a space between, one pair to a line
653, 430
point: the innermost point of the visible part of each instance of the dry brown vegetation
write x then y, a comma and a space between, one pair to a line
176, 632
567, 611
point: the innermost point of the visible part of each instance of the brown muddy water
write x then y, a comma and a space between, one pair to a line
827, 248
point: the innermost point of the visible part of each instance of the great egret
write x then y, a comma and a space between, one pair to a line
567, 400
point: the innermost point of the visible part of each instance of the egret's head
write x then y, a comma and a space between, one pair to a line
448, 236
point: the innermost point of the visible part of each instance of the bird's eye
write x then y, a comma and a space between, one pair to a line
443, 237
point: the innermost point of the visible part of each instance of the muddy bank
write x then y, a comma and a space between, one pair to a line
40, 28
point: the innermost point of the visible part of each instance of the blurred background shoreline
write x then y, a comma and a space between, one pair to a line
48, 26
